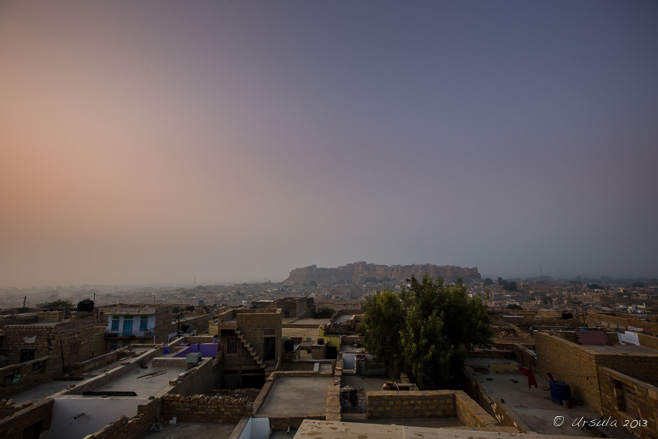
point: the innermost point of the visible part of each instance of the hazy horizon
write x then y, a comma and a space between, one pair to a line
156, 142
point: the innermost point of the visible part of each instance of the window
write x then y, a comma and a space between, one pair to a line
143, 323
232, 346
619, 395
26, 355
115, 323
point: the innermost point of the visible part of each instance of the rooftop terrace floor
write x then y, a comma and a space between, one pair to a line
533, 406
143, 384
195, 430
296, 397
311, 429
44, 390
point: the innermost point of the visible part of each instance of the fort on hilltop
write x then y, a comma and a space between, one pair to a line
362, 272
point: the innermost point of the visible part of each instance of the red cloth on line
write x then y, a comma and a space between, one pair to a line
532, 381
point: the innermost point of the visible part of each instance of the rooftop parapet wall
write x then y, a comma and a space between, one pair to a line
210, 409
625, 399
428, 404
622, 322
12, 426
32, 373
577, 365
136, 427
570, 363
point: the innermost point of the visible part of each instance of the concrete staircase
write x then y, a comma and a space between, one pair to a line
250, 348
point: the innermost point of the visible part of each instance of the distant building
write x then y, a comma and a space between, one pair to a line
141, 324
251, 345
291, 307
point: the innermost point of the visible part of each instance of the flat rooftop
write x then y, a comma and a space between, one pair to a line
629, 349
311, 429
532, 406
184, 430
144, 382
296, 397
44, 390
295, 321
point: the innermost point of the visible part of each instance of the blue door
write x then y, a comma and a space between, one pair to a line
127, 327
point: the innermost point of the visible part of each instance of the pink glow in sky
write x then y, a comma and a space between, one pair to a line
152, 142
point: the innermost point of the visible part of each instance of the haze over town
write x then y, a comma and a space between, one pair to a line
169, 142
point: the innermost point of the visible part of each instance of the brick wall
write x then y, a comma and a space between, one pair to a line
470, 413
102, 360
9, 408
197, 323
252, 325
12, 427
578, 366
570, 363
625, 399
163, 327
333, 404
494, 408
75, 337
413, 404
199, 379
621, 322
137, 427
50, 316
648, 341
200, 408
33, 373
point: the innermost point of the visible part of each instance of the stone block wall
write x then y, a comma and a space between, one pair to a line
412, 404
50, 316
648, 340
578, 366
12, 427
137, 427
570, 363
32, 373
253, 326
494, 408
211, 409
621, 322
197, 323
74, 337
95, 363
626, 399
640, 366
9, 408
199, 379
470, 413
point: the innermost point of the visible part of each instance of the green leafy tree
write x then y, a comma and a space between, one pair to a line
324, 312
426, 329
488, 281
383, 321
56, 304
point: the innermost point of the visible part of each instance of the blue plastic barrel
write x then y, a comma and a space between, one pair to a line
560, 391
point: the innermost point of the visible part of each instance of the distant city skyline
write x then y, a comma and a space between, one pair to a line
152, 142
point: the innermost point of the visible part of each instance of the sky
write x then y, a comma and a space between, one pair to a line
228, 141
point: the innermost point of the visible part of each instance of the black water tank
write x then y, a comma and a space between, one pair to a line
86, 305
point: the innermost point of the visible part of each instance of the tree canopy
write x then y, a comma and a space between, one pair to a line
57, 304
426, 329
